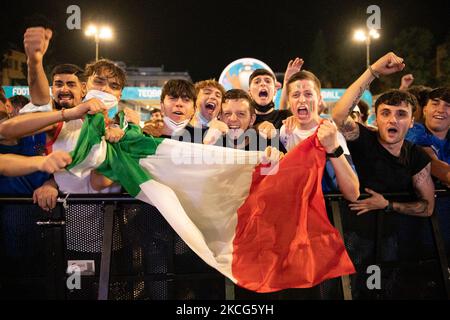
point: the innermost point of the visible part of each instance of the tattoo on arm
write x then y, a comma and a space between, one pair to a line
424, 187
359, 95
349, 129
416, 208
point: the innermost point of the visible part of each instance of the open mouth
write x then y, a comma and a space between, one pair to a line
302, 111
178, 113
210, 106
65, 96
392, 130
263, 93
438, 117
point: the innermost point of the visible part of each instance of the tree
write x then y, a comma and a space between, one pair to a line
415, 45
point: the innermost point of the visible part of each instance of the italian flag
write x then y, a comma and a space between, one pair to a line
265, 228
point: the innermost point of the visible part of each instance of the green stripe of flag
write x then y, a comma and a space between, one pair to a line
122, 158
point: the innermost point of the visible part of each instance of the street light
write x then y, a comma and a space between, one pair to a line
104, 33
361, 35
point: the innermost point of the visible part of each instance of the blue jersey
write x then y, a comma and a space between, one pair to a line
421, 136
24, 185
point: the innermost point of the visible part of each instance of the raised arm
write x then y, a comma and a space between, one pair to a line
388, 64
293, 67
36, 41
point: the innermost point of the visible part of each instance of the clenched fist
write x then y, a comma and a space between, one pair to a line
388, 64
36, 41
55, 161
327, 135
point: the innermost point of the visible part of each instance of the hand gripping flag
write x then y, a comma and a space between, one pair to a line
265, 232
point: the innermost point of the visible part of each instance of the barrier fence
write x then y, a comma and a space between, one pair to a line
127, 251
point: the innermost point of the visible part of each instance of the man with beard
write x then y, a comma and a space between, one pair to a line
63, 126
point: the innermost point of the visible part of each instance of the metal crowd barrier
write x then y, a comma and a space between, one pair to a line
128, 252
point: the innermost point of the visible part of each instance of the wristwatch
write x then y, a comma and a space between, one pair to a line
389, 208
336, 153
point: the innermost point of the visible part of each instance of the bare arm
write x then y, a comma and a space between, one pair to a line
423, 184
14, 165
99, 181
387, 64
36, 41
31, 123
346, 178
439, 168
293, 67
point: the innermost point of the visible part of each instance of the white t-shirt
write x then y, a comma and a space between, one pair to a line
298, 135
67, 182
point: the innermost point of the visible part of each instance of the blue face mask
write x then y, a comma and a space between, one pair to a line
113, 111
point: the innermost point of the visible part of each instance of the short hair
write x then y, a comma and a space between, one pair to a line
19, 101
154, 110
209, 83
105, 64
396, 98
442, 93
304, 75
421, 94
67, 68
364, 110
178, 88
236, 94
261, 72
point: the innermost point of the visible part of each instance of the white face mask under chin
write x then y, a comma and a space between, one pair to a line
175, 126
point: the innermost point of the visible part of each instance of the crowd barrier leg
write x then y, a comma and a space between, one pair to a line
105, 264
229, 289
345, 280
441, 252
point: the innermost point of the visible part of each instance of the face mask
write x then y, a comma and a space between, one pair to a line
175, 126
110, 101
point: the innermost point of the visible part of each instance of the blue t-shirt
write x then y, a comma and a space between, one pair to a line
24, 185
421, 136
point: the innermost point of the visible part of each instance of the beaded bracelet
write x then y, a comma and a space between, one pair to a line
63, 116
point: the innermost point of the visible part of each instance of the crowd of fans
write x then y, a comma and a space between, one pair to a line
408, 149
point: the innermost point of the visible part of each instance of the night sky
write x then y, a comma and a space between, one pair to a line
203, 37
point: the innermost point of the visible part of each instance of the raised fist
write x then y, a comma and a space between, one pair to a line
388, 64
36, 41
